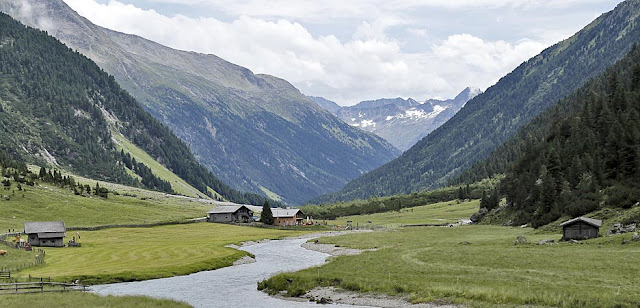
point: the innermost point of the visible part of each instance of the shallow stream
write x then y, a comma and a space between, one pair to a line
234, 286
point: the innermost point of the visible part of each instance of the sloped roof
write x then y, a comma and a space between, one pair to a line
50, 234
284, 213
594, 222
44, 227
226, 209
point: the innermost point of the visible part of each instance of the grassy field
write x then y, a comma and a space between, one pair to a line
127, 254
82, 300
179, 185
438, 213
478, 265
16, 258
48, 202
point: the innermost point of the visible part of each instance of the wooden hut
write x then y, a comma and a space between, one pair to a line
45, 233
287, 217
230, 213
580, 228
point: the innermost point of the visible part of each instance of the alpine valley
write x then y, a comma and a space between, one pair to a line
136, 175
491, 118
294, 150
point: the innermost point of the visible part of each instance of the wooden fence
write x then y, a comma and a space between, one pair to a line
40, 254
39, 287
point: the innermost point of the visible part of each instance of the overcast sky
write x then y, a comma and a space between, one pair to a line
354, 50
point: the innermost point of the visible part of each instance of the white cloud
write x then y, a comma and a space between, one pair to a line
419, 32
369, 65
359, 8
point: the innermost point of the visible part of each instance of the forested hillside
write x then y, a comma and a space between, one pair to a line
57, 107
491, 118
255, 132
582, 155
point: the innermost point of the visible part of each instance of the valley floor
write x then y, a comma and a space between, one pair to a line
476, 265
118, 254
129, 254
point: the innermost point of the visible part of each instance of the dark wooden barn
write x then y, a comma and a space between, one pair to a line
230, 213
45, 233
580, 228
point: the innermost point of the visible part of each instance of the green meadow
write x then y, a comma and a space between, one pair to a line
177, 184
128, 254
476, 265
16, 258
123, 254
437, 213
46, 202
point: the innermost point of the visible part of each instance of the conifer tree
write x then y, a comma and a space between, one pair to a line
266, 217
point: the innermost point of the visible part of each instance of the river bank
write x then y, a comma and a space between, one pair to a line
332, 295
233, 286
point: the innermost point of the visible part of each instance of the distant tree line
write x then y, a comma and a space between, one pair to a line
398, 202
19, 173
149, 180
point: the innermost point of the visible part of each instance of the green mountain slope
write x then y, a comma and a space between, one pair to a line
58, 108
256, 132
491, 118
582, 155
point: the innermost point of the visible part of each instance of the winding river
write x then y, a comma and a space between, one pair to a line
233, 286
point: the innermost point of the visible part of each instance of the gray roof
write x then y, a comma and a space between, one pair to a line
226, 209
282, 213
50, 234
594, 222
44, 227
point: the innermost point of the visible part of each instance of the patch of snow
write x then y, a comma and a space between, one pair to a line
353, 119
414, 113
389, 118
367, 123
437, 109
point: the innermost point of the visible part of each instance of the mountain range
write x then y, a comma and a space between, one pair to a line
491, 118
402, 122
256, 132
59, 109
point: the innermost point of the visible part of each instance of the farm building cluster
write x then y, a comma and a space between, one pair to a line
229, 212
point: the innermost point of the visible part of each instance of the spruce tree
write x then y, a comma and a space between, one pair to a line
266, 217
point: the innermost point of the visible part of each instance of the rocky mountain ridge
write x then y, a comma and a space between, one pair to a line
402, 122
